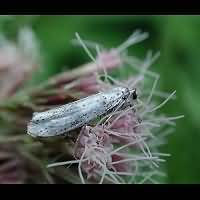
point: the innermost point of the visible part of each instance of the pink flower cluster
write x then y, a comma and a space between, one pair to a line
119, 146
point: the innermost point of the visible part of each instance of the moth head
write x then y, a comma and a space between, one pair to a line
125, 92
134, 94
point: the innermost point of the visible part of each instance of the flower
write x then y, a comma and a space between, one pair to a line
93, 147
17, 62
97, 157
11, 166
121, 147
88, 85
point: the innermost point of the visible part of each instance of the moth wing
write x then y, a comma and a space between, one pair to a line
60, 122
49, 128
54, 113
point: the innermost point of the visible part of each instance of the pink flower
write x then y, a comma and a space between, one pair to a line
124, 127
97, 156
121, 142
17, 63
88, 85
94, 145
73, 79
109, 59
11, 166
120, 167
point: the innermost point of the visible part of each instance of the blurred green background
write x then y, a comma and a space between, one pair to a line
177, 38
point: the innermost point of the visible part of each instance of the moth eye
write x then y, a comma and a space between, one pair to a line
134, 95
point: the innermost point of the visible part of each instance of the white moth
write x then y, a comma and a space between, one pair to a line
60, 120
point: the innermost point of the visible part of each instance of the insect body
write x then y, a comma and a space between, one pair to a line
60, 120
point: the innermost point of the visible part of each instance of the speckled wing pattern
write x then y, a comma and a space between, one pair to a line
60, 120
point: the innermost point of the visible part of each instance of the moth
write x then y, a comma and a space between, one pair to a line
62, 119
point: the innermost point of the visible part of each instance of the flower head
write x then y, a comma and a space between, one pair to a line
92, 148
122, 146
11, 166
17, 62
